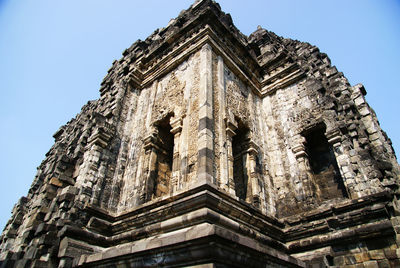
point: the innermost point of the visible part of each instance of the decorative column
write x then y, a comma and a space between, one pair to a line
205, 160
254, 196
304, 166
176, 130
150, 172
230, 132
343, 161
334, 139
223, 155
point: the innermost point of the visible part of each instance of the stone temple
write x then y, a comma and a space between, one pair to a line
209, 148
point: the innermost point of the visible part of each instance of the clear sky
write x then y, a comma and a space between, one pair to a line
54, 54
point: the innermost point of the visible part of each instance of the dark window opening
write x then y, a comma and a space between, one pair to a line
239, 147
328, 182
164, 158
329, 260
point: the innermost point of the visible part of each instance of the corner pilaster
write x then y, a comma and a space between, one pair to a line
206, 120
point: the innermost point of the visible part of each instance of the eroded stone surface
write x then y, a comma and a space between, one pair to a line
203, 136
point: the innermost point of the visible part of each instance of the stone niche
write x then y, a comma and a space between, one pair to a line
209, 148
163, 150
239, 150
327, 182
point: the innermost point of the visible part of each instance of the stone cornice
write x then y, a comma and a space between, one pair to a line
207, 30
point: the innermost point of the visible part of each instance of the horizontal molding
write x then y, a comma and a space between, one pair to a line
205, 203
206, 35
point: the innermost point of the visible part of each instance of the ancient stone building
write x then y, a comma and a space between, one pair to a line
210, 148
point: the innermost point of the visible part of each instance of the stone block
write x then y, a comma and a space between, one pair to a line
339, 260
49, 239
99, 225
74, 248
395, 263
31, 253
39, 264
376, 254
371, 264
359, 101
139, 246
69, 189
364, 111
384, 264
390, 253
117, 251
350, 259
56, 182
94, 257
361, 257
66, 197
65, 263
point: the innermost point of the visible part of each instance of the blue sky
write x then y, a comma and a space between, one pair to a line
54, 54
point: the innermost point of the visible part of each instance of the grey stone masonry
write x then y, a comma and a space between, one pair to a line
209, 148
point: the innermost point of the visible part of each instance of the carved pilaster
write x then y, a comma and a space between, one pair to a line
150, 170
230, 132
254, 196
304, 168
223, 178
299, 151
176, 130
206, 119
334, 137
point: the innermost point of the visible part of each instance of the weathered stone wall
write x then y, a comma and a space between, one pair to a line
236, 108
175, 97
362, 150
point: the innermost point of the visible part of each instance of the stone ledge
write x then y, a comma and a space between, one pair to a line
203, 204
202, 234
